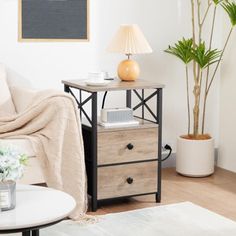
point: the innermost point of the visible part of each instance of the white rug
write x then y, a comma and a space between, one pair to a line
183, 219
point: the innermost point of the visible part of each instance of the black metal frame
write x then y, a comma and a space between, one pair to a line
157, 118
31, 231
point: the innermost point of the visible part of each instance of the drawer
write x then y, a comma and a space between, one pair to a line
126, 180
127, 146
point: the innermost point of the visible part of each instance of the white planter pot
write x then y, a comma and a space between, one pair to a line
195, 158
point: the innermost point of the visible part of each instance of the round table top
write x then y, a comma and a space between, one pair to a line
36, 206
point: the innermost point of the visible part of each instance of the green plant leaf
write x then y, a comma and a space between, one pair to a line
204, 57
217, 1
23, 159
182, 50
230, 8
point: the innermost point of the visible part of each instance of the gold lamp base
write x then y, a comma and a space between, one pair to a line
128, 70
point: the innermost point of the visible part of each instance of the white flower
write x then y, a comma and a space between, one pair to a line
12, 163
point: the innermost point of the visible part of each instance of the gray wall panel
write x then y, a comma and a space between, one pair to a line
54, 19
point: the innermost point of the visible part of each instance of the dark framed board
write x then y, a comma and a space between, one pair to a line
53, 20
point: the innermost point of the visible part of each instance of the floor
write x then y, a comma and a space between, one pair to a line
216, 193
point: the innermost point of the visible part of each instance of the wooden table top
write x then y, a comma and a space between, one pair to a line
114, 85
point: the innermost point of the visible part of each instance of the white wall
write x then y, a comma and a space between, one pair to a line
163, 22
227, 145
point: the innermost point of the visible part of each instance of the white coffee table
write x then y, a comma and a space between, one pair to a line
36, 207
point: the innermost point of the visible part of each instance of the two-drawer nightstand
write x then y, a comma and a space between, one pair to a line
125, 161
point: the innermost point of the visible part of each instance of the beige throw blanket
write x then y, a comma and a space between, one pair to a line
53, 126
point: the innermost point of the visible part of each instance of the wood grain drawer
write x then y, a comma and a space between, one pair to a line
112, 146
116, 181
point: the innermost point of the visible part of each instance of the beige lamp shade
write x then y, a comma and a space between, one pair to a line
129, 40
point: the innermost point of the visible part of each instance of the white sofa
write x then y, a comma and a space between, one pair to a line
21, 95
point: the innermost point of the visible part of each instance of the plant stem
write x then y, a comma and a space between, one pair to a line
199, 21
194, 39
206, 13
204, 111
196, 69
200, 86
196, 92
196, 109
199, 33
193, 23
198, 83
208, 72
188, 100
218, 63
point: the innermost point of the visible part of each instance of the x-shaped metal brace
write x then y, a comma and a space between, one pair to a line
143, 102
81, 104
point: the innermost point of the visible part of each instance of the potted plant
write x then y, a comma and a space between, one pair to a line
195, 150
12, 164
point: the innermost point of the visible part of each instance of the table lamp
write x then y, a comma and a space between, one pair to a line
129, 40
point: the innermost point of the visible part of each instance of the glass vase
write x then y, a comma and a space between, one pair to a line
7, 195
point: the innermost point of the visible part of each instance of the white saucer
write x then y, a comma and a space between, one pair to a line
97, 83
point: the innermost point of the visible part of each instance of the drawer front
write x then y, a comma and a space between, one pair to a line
125, 180
127, 146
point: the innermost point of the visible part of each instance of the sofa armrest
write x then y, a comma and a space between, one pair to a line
22, 97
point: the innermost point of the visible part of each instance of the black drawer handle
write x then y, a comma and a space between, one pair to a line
130, 180
130, 146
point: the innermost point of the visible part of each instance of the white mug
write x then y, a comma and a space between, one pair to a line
96, 76
105, 75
